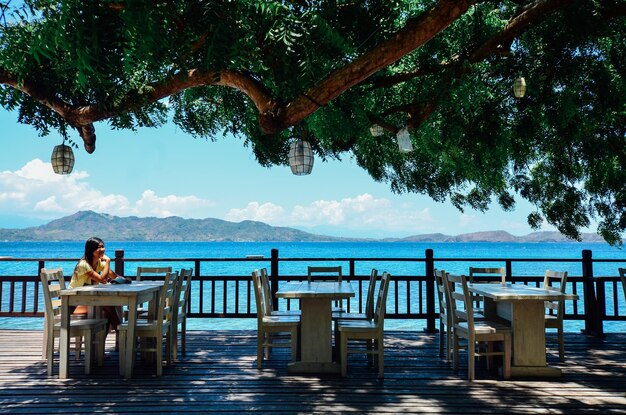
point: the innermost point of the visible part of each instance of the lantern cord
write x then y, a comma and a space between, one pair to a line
312, 100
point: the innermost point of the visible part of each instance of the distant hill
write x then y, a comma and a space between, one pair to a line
85, 224
496, 236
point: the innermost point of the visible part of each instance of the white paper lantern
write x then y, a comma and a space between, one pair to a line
404, 141
376, 130
300, 158
519, 87
62, 159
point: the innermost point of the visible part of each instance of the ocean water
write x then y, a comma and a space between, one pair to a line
386, 256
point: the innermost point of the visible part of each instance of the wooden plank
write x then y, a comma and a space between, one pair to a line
219, 375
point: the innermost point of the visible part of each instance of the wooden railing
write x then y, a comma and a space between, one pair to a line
412, 295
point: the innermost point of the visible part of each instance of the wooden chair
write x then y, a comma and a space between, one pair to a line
179, 319
268, 325
555, 309
157, 328
267, 297
445, 316
370, 330
93, 330
484, 272
369, 303
152, 272
327, 274
622, 275
466, 327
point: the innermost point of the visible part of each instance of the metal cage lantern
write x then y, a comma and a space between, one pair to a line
519, 87
376, 130
300, 158
62, 159
404, 141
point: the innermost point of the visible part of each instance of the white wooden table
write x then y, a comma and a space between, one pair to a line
129, 295
523, 306
316, 323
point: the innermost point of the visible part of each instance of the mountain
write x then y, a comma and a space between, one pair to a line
496, 236
85, 224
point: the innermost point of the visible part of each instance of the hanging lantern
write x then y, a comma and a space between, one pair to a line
300, 157
376, 130
404, 141
62, 159
519, 87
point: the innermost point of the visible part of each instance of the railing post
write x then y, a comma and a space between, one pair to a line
119, 262
430, 292
593, 321
274, 277
509, 271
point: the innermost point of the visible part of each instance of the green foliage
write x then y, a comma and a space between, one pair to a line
562, 147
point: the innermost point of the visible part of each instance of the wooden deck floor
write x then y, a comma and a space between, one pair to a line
219, 375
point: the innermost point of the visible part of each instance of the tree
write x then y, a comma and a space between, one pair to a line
269, 71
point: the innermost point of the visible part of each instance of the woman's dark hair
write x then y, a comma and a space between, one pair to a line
90, 246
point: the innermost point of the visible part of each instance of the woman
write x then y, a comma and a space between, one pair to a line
95, 268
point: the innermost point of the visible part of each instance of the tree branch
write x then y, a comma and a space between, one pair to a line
417, 32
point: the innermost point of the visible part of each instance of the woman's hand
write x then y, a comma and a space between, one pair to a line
106, 259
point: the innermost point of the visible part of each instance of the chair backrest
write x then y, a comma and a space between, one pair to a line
549, 280
166, 309
381, 301
371, 289
259, 296
267, 293
486, 272
324, 274
444, 312
52, 281
151, 271
459, 299
184, 288
622, 275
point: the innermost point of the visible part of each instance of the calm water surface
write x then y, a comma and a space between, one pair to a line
387, 250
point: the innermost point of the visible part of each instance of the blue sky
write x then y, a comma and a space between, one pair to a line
164, 172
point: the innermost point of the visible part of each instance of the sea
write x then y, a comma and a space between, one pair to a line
381, 253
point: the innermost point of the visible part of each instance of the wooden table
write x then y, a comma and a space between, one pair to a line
129, 295
523, 306
316, 323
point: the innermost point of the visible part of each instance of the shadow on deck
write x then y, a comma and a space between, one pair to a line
219, 375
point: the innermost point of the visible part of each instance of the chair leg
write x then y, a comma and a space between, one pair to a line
381, 357
294, 344
260, 349
448, 342
507, 356
441, 339
88, 349
50, 353
561, 345
100, 340
159, 356
344, 354
470, 359
183, 337
455, 351
122, 354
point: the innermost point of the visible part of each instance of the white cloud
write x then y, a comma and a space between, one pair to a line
266, 212
35, 189
362, 212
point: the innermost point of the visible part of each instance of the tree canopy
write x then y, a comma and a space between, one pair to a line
269, 71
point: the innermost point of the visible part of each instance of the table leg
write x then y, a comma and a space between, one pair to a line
64, 341
529, 338
316, 338
130, 338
